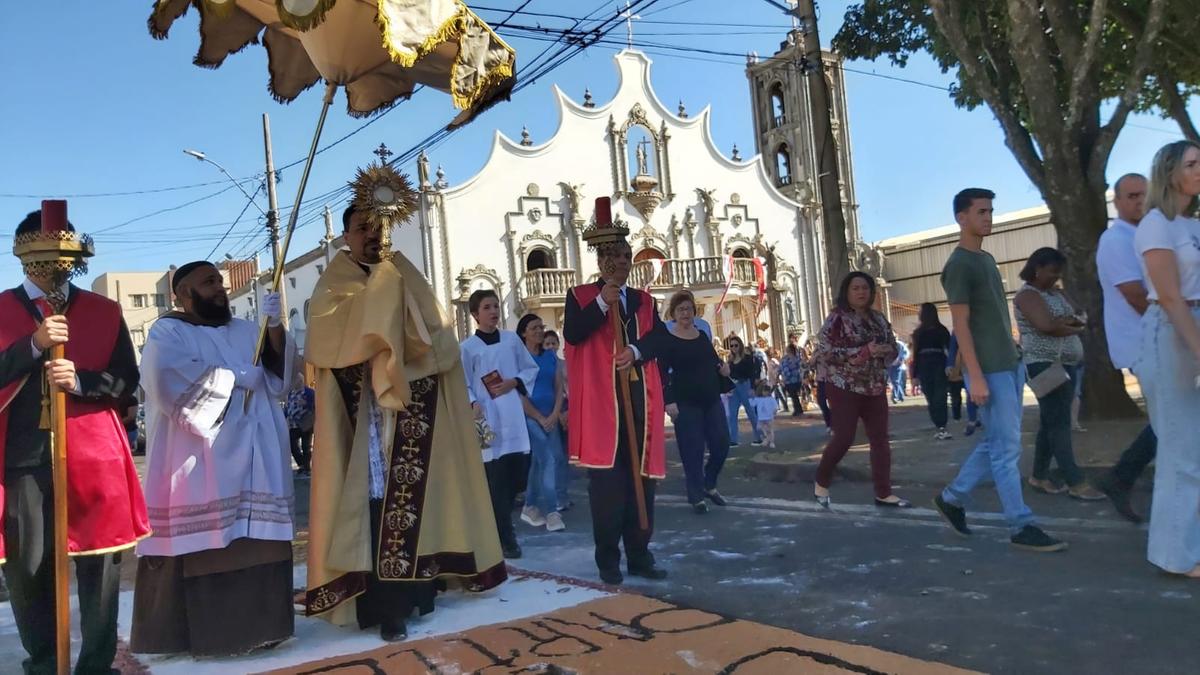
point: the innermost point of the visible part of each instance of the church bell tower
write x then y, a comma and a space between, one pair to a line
783, 125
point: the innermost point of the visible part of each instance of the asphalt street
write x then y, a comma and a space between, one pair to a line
901, 580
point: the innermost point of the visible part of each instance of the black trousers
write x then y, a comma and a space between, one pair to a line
699, 426
793, 392
1136, 457
29, 571
934, 384
504, 475
301, 447
614, 503
956, 398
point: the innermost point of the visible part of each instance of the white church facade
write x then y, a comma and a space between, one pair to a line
720, 226
697, 219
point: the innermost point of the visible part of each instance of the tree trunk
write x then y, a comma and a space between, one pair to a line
1079, 213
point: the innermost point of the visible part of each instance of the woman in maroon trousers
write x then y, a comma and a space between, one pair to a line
855, 346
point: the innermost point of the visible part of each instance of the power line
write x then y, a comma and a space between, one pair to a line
161, 211
235, 221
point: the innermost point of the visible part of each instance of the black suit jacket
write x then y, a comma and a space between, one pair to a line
26, 445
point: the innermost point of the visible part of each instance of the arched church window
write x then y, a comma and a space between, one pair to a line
742, 252
649, 254
539, 259
783, 165
778, 113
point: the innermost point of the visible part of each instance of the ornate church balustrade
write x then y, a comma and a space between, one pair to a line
697, 274
548, 287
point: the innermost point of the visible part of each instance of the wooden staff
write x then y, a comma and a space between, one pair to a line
58, 467
635, 463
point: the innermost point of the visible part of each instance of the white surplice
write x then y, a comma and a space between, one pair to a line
216, 470
505, 415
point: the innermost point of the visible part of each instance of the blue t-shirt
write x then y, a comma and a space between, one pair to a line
542, 396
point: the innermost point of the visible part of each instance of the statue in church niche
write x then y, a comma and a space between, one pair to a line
789, 307
642, 167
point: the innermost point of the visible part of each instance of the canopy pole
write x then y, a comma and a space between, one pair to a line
58, 469
277, 281
330, 89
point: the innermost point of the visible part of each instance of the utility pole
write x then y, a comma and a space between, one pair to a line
837, 253
273, 215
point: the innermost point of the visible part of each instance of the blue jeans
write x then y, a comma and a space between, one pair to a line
547, 454
999, 451
696, 427
740, 398
1054, 429
896, 377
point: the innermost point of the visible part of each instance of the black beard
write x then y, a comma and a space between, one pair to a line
210, 310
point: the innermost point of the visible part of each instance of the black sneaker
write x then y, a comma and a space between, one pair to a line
700, 508
955, 516
1119, 494
612, 577
715, 497
512, 551
1032, 538
393, 630
652, 572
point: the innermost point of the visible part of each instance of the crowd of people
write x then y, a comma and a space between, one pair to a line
392, 521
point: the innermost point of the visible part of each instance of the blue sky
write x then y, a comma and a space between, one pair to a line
94, 106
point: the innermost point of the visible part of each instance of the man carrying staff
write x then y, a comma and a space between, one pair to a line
105, 510
215, 578
599, 439
399, 501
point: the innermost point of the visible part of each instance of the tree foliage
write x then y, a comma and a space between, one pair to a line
1061, 77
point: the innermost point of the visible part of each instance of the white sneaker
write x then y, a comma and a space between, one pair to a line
772, 446
533, 516
554, 522
943, 435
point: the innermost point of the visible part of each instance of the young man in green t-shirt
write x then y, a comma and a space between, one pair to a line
994, 375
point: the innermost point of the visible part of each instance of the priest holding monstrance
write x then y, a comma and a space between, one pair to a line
616, 414
400, 505
56, 338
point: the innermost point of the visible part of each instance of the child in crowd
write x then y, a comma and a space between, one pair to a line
499, 371
765, 406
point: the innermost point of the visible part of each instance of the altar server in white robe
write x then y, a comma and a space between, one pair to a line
499, 371
215, 577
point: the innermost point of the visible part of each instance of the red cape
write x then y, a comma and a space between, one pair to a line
592, 390
105, 507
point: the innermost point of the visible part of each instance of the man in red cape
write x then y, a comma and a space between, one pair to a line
106, 511
598, 438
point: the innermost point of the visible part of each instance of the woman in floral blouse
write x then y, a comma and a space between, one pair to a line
855, 346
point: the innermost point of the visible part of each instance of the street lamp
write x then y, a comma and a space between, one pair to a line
204, 158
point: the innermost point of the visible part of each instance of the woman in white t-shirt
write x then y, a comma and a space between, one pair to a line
1168, 241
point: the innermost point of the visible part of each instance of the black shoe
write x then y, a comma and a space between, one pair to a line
956, 516
650, 572
393, 630
700, 508
512, 551
1032, 538
1119, 493
612, 577
715, 497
